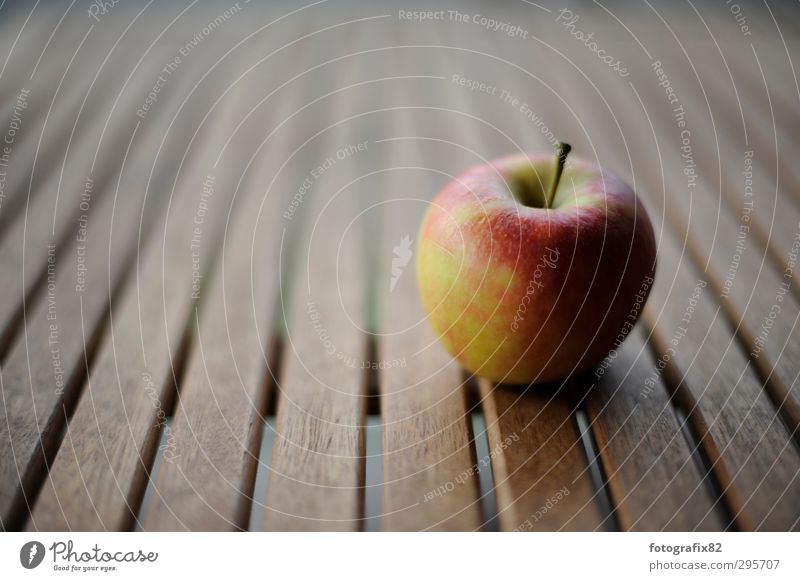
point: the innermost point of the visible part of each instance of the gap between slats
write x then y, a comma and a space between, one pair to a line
373, 501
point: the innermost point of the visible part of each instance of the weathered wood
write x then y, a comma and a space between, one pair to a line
317, 473
46, 116
653, 481
753, 290
206, 477
723, 152
537, 460
130, 388
718, 342
429, 464
42, 371
741, 431
752, 453
754, 284
46, 220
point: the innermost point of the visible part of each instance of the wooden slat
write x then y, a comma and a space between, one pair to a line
775, 215
749, 285
430, 469
206, 476
653, 481
317, 470
753, 456
752, 453
540, 476
316, 477
46, 119
50, 124
42, 366
98, 476
50, 215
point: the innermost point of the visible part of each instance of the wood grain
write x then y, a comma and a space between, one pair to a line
721, 144
131, 386
429, 464
743, 435
741, 431
718, 342
654, 482
49, 216
46, 116
538, 462
43, 370
205, 481
317, 474
752, 288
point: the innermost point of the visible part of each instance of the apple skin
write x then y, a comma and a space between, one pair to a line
586, 267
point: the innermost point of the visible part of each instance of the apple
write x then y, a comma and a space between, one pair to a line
531, 269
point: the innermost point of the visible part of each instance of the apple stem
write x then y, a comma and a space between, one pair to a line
562, 151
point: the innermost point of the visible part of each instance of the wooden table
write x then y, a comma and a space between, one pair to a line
209, 318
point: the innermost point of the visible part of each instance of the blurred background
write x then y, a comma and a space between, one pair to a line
209, 317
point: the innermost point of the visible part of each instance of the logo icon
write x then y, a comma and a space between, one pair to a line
401, 258
31, 554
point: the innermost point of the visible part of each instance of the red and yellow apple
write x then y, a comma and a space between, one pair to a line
531, 270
